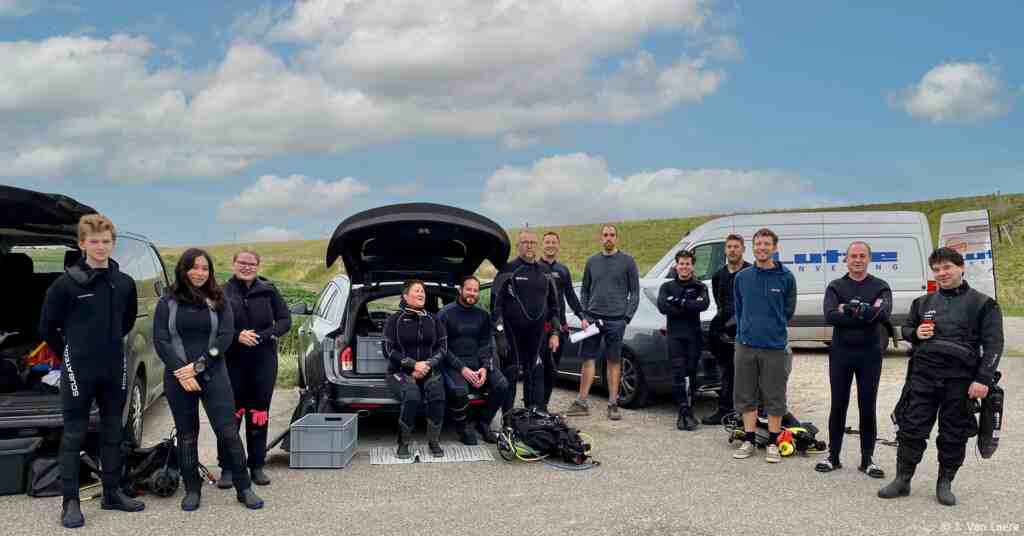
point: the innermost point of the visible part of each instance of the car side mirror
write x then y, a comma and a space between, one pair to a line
300, 309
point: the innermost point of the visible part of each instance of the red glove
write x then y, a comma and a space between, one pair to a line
240, 413
260, 418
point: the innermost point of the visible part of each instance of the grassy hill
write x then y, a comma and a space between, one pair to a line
298, 266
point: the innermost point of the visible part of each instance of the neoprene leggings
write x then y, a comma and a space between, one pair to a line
845, 364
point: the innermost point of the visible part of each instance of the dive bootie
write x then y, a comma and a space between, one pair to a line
71, 517
466, 435
225, 481
249, 498
191, 501
944, 487
259, 476
404, 435
483, 428
433, 439
899, 487
117, 500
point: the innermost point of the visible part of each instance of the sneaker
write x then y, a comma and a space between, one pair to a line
745, 450
772, 454
613, 413
577, 409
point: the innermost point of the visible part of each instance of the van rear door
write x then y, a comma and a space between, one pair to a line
969, 234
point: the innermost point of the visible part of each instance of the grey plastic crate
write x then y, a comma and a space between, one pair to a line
370, 355
323, 440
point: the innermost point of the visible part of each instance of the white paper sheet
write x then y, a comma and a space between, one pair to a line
580, 335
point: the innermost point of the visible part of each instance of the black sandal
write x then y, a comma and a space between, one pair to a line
827, 466
872, 470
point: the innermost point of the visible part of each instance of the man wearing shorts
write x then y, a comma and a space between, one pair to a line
765, 300
610, 296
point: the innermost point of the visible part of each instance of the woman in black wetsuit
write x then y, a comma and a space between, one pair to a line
415, 344
192, 328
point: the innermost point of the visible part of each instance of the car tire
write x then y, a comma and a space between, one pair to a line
135, 423
633, 389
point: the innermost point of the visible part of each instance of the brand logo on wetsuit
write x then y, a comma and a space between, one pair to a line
72, 382
833, 260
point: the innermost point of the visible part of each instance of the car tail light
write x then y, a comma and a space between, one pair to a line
663, 331
933, 286
364, 406
345, 359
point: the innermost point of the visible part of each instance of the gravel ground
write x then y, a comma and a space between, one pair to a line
652, 479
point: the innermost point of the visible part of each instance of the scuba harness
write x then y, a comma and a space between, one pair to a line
531, 436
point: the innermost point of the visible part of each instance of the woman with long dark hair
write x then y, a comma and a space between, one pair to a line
261, 317
415, 344
192, 328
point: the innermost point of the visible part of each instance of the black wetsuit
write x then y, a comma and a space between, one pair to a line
470, 345
253, 369
566, 296
410, 336
856, 351
524, 301
722, 332
192, 327
966, 347
86, 315
682, 302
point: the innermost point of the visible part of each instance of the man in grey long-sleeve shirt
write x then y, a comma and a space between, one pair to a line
610, 296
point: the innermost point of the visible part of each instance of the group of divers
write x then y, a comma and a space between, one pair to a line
219, 345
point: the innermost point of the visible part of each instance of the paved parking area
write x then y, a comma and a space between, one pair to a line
653, 480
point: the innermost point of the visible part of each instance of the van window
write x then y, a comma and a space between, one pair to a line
322, 303
133, 258
45, 259
708, 259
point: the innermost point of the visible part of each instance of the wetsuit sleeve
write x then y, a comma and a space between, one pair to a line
666, 306
909, 329
282, 317
131, 309
554, 316
831, 308
498, 295
51, 321
791, 297
390, 346
880, 314
225, 329
439, 351
701, 303
633, 290
162, 338
451, 359
570, 295
991, 342
484, 344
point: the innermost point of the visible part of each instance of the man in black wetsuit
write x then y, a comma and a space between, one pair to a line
957, 335
855, 306
722, 331
86, 315
470, 367
682, 300
524, 300
566, 295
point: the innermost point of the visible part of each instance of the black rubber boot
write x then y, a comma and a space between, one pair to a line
434, 438
466, 435
225, 481
484, 429
249, 498
71, 517
943, 487
117, 500
191, 501
681, 418
404, 436
259, 476
900, 486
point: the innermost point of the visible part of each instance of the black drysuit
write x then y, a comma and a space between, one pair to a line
966, 347
524, 301
562, 279
189, 338
856, 351
682, 302
86, 315
470, 345
722, 332
413, 335
253, 369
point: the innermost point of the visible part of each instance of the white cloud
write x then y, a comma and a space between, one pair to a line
273, 197
579, 188
350, 74
957, 92
270, 234
407, 189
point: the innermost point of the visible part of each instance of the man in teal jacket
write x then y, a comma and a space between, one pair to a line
765, 300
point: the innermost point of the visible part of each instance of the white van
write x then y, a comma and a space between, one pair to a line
812, 245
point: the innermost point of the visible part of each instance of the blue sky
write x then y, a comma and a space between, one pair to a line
221, 121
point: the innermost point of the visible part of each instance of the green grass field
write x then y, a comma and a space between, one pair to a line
298, 267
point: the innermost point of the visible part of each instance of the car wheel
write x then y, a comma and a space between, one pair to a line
633, 389
133, 426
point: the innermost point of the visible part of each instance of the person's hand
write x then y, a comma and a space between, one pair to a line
585, 323
553, 342
842, 308
190, 385
417, 375
481, 378
977, 390
925, 331
469, 375
185, 373
422, 367
248, 337
501, 344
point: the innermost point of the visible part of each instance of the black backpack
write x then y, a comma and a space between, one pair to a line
547, 435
